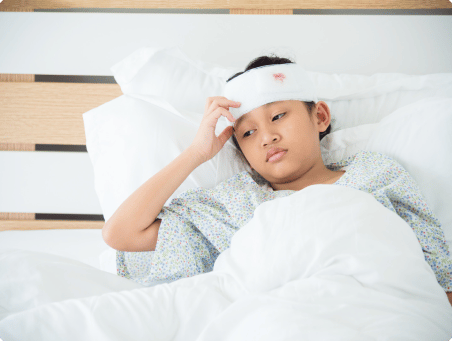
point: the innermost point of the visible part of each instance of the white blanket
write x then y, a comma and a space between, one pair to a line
325, 263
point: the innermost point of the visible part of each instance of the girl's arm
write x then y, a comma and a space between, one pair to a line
133, 226
125, 230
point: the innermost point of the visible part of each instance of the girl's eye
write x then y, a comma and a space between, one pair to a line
280, 114
244, 135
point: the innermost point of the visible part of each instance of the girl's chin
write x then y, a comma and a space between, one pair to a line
278, 175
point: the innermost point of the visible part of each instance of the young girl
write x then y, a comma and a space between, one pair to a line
280, 140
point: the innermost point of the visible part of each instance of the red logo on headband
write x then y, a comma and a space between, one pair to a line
279, 76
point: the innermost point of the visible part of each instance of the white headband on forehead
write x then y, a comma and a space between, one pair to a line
266, 84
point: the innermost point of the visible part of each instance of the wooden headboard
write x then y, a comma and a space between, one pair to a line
36, 114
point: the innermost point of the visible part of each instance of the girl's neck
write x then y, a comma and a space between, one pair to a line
325, 177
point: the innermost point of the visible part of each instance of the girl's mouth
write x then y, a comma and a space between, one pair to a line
277, 156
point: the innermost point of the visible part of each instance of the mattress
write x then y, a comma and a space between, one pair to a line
84, 245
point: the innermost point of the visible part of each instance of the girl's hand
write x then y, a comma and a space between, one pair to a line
206, 143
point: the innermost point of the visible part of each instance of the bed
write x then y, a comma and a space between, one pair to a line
81, 106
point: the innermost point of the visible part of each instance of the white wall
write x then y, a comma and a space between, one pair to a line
90, 43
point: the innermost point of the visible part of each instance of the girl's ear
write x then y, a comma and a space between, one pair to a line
323, 116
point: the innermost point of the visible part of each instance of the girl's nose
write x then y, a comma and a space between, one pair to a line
269, 138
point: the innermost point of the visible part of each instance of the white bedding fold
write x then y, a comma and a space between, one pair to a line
327, 262
29, 279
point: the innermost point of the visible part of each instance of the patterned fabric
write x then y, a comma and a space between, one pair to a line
198, 224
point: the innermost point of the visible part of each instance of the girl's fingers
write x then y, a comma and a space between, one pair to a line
220, 102
225, 135
207, 106
223, 112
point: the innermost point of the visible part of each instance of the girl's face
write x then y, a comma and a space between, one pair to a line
286, 125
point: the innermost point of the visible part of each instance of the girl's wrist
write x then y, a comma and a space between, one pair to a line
196, 155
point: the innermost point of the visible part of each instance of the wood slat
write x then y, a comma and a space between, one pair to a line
17, 216
25, 225
21, 5
16, 6
260, 11
7, 77
49, 113
23, 147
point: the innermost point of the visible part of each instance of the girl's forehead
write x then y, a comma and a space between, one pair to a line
261, 110
273, 105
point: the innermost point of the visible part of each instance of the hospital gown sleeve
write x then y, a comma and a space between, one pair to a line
195, 229
410, 204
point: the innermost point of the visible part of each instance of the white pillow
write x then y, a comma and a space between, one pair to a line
185, 83
129, 140
169, 74
418, 137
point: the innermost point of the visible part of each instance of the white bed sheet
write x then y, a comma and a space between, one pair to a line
84, 245
307, 279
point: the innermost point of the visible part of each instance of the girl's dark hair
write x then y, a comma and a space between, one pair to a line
271, 60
